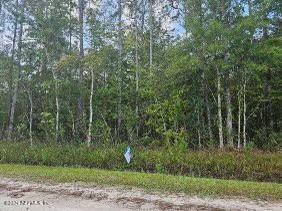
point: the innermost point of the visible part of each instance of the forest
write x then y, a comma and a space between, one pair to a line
184, 74
140, 105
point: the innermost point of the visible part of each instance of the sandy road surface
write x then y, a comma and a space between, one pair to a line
18, 195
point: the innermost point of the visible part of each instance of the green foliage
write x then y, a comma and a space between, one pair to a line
169, 104
47, 125
268, 142
249, 165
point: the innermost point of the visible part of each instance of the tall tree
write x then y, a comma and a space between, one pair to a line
89, 136
151, 32
120, 65
219, 111
19, 66
79, 121
136, 63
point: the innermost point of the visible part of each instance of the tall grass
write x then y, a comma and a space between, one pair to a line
255, 166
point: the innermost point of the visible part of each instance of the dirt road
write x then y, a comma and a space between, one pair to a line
22, 196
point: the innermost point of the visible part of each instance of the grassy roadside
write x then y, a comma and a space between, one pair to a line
235, 165
160, 182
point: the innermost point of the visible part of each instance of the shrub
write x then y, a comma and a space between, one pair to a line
247, 165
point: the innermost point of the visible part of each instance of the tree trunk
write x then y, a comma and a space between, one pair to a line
90, 110
70, 26
209, 121
79, 121
136, 66
119, 64
15, 92
73, 123
0, 7
81, 5
250, 6
30, 117
15, 31
56, 97
205, 87
12, 66
199, 132
57, 109
229, 115
244, 113
143, 12
239, 120
57, 105
151, 32
268, 104
220, 131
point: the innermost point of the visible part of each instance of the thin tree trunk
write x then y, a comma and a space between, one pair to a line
268, 104
220, 131
72, 118
57, 109
199, 132
15, 30
0, 7
70, 26
73, 123
250, 6
56, 97
209, 122
229, 114
30, 117
57, 105
104, 78
90, 109
15, 93
119, 63
244, 113
137, 65
207, 107
239, 120
12, 66
151, 32
81, 5
80, 105
2, 21
143, 16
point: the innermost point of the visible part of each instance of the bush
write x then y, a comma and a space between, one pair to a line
265, 141
248, 165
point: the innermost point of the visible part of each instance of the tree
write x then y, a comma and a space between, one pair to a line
150, 73
19, 51
79, 121
120, 65
151, 32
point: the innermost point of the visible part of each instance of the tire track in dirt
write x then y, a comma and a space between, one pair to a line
80, 196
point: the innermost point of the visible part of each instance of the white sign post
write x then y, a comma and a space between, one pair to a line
128, 155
